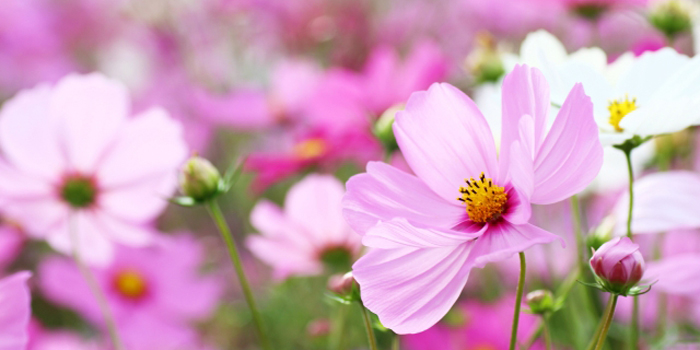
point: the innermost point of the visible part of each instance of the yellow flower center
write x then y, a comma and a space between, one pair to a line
485, 202
310, 148
484, 347
130, 284
619, 109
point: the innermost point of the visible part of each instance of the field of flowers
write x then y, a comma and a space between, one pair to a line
349, 174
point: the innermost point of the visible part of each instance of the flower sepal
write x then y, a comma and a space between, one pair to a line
615, 289
632, 143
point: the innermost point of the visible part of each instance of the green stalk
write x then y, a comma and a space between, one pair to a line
215, 212
94, 288
607, 321
518, 302
547, 334
368, 328
628, 156
335, 339
580, 244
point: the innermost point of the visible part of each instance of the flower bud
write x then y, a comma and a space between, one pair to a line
384, 130
484, 62
199, 179
618, 265
672, 17
342, 285
540, 301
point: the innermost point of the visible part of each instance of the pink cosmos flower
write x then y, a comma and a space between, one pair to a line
309, 233
14, 311
466, 206
619, 264
73, 154
154, 288
475, 326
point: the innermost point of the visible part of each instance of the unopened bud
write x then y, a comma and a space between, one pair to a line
672, 17
383, 128
199, 179
619, 265
484, 62
342, 285
540, 301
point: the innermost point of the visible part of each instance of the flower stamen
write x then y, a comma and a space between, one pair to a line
485, 201
619, 109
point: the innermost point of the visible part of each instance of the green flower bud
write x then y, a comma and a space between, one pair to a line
484, 62
199, 179
383, 128
672, 17
540, 301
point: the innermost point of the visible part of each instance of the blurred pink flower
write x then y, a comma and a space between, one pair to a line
11, 242
147, 289
478, 326
424, 242
321, 149
41, 339
309, 233
73, 154
15, 311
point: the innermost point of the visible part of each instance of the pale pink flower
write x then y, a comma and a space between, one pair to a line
619, 264
309, 233
72, 153
425, 242
147, 289
15, 311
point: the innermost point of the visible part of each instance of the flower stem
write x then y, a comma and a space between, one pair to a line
368, 328
546, 334
518, 302
215, 212
94, 287
628, 156
580, 244
336, 337
634, 332
607, 321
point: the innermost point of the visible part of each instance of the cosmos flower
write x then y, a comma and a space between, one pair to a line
145, 289
308, 234
467, 205
629, 94
71, 153
14, 311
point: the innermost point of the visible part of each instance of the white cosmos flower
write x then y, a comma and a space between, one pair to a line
655, 93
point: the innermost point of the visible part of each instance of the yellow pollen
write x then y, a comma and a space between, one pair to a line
485, 201
310, 148
130, 284
619, 109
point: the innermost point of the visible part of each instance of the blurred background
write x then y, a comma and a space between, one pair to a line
292, 87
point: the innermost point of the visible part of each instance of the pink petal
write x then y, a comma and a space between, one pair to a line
399, 233
412, 289
268, 218
503, 240
93, 246
123, 232
27, 134
663, 202
150, 145
315, 204
284, 257
140, 201
91, 110
525, 92
571, 154
384, 193
519, 208
61, 282
445, 139
15, 311
677, 275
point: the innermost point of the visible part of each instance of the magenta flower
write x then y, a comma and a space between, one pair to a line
619, 265
466, 206
475, 326
146, 289
14, 311
309, 233
72, 150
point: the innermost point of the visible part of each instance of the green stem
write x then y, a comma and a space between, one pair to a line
607, 321
215, 212
368, 328
546, 333
94, 288
518, 302
336, 337
580, 244
395, 342
628, 156
533, 338
634, 332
